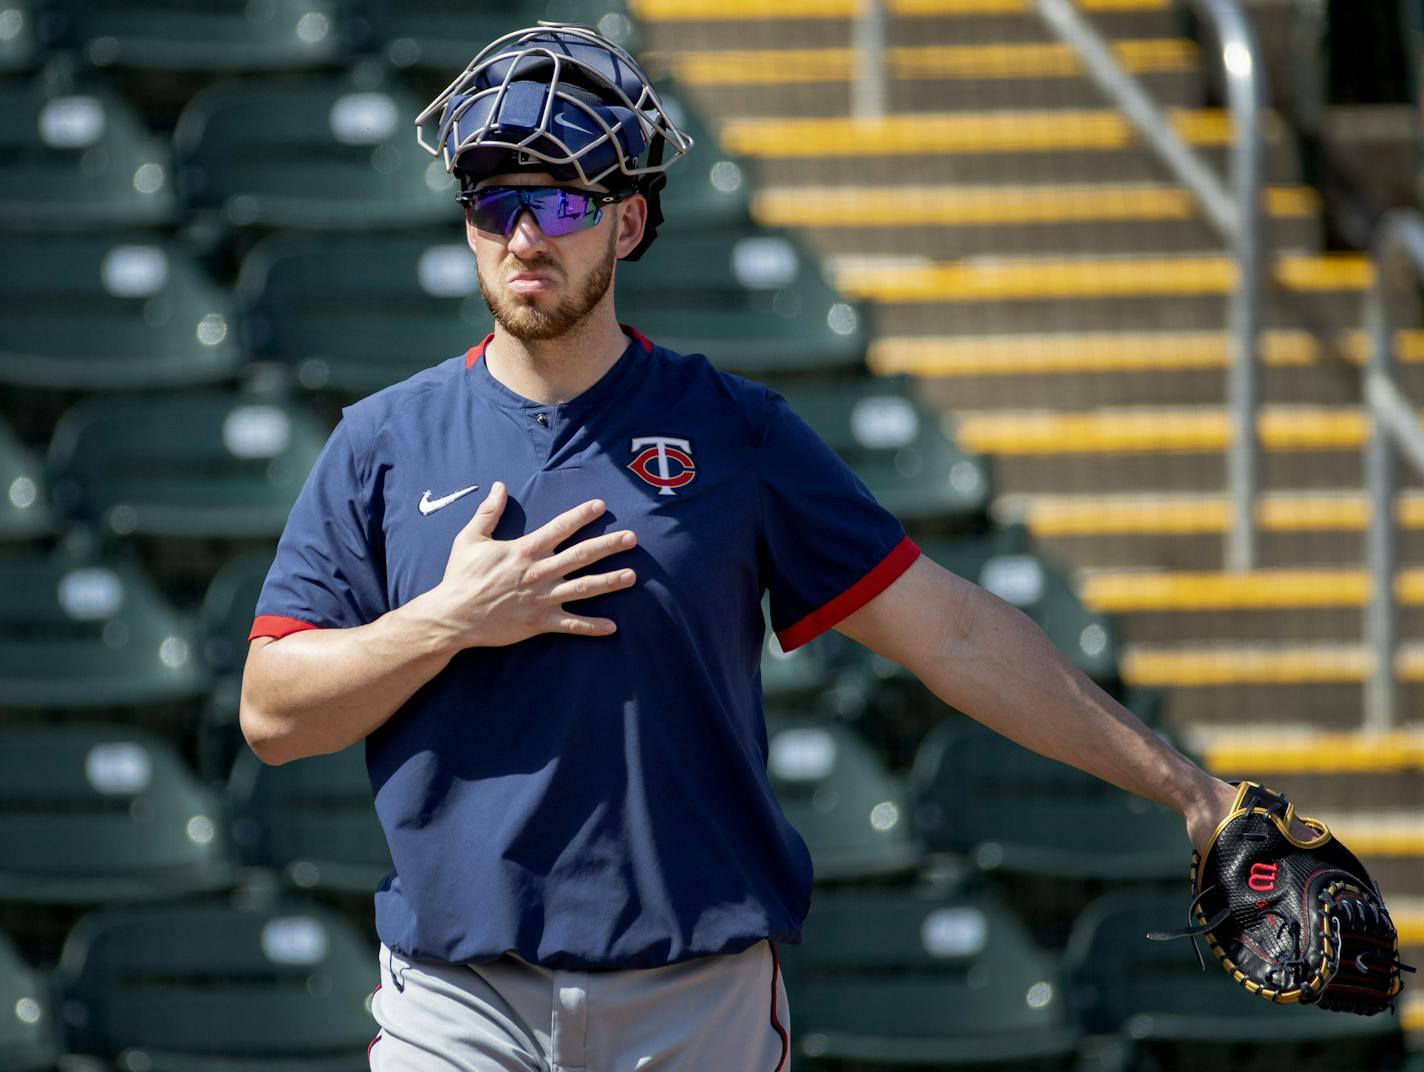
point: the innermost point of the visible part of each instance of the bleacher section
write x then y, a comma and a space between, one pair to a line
216, 228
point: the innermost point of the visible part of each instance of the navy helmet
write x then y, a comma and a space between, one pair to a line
558, 98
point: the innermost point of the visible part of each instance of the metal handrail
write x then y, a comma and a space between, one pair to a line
869, 91
1393, 424
1235, 212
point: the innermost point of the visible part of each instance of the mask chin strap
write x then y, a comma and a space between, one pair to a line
651, 187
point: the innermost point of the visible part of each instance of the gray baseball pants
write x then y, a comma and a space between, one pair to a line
714, 1014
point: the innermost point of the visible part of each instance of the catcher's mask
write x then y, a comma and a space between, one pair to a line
562, 99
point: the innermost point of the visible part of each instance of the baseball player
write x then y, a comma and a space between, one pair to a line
530, 578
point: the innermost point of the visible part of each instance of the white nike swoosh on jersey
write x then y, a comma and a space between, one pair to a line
567, 123
429, 505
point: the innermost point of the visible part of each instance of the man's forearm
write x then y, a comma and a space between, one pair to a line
320, 690
1002, 669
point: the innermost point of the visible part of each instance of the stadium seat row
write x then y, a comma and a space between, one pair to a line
351, 314
312, 152
104, 812
941, 974
279, 35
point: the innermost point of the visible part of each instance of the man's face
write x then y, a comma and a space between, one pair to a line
539, 287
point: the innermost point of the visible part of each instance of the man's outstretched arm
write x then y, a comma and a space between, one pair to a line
989, 660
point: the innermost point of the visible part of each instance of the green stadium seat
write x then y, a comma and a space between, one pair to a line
898, 448
1004, 561
853, 814
1155, 994
228, 609
443, 36
19, 46
218, 988
753, 301
29, 1037
709, 188
979, 794
225, 619
79, 633
102, 311
309, 153
206, 35
220, 465
76, 160
353, 314
24, 496
312, 820
96, 814
796, 682
939, 978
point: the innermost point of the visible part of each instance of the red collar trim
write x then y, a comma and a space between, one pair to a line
634, 333
474, 353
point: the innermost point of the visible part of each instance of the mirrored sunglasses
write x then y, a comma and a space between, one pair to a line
558, 210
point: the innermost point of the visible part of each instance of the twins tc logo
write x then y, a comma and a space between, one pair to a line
664, 462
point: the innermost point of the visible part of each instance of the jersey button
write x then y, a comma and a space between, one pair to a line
543, 420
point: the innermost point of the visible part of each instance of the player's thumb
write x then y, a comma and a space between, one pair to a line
488, 513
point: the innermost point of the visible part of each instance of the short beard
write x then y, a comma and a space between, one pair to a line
524, 320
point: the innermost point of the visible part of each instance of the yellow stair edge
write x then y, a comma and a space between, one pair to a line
997, 131
1148, 591
1112, 352
801, 66
946, 205
1033, 279
1205, 665
779, 10
1187, 666
1316, 753
1185, 515
1164, 429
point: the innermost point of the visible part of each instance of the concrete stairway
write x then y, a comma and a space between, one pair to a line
1063, 303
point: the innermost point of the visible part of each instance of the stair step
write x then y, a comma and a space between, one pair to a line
996, 205
988, 279
1156, 607
1320, 771
1154, 530
1162, 591
1271, 752
929, 133
782, 10
1093, 369
828, 23
1013, 220
1048, 516
1167, 450
1318, 686
1196, 429
1131, 293
1051, 145
1114, 352
1204, 665
1019, 74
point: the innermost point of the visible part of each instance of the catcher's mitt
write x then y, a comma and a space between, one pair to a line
1292, 921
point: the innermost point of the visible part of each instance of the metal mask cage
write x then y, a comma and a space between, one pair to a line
573, 71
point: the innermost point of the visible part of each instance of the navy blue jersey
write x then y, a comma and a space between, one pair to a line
588, 802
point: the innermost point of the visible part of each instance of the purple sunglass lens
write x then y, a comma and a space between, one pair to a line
557, 210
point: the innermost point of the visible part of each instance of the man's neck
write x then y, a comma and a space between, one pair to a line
556, 370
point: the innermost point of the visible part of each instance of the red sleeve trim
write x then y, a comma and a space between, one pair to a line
853, 598
276, 627
474, 353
